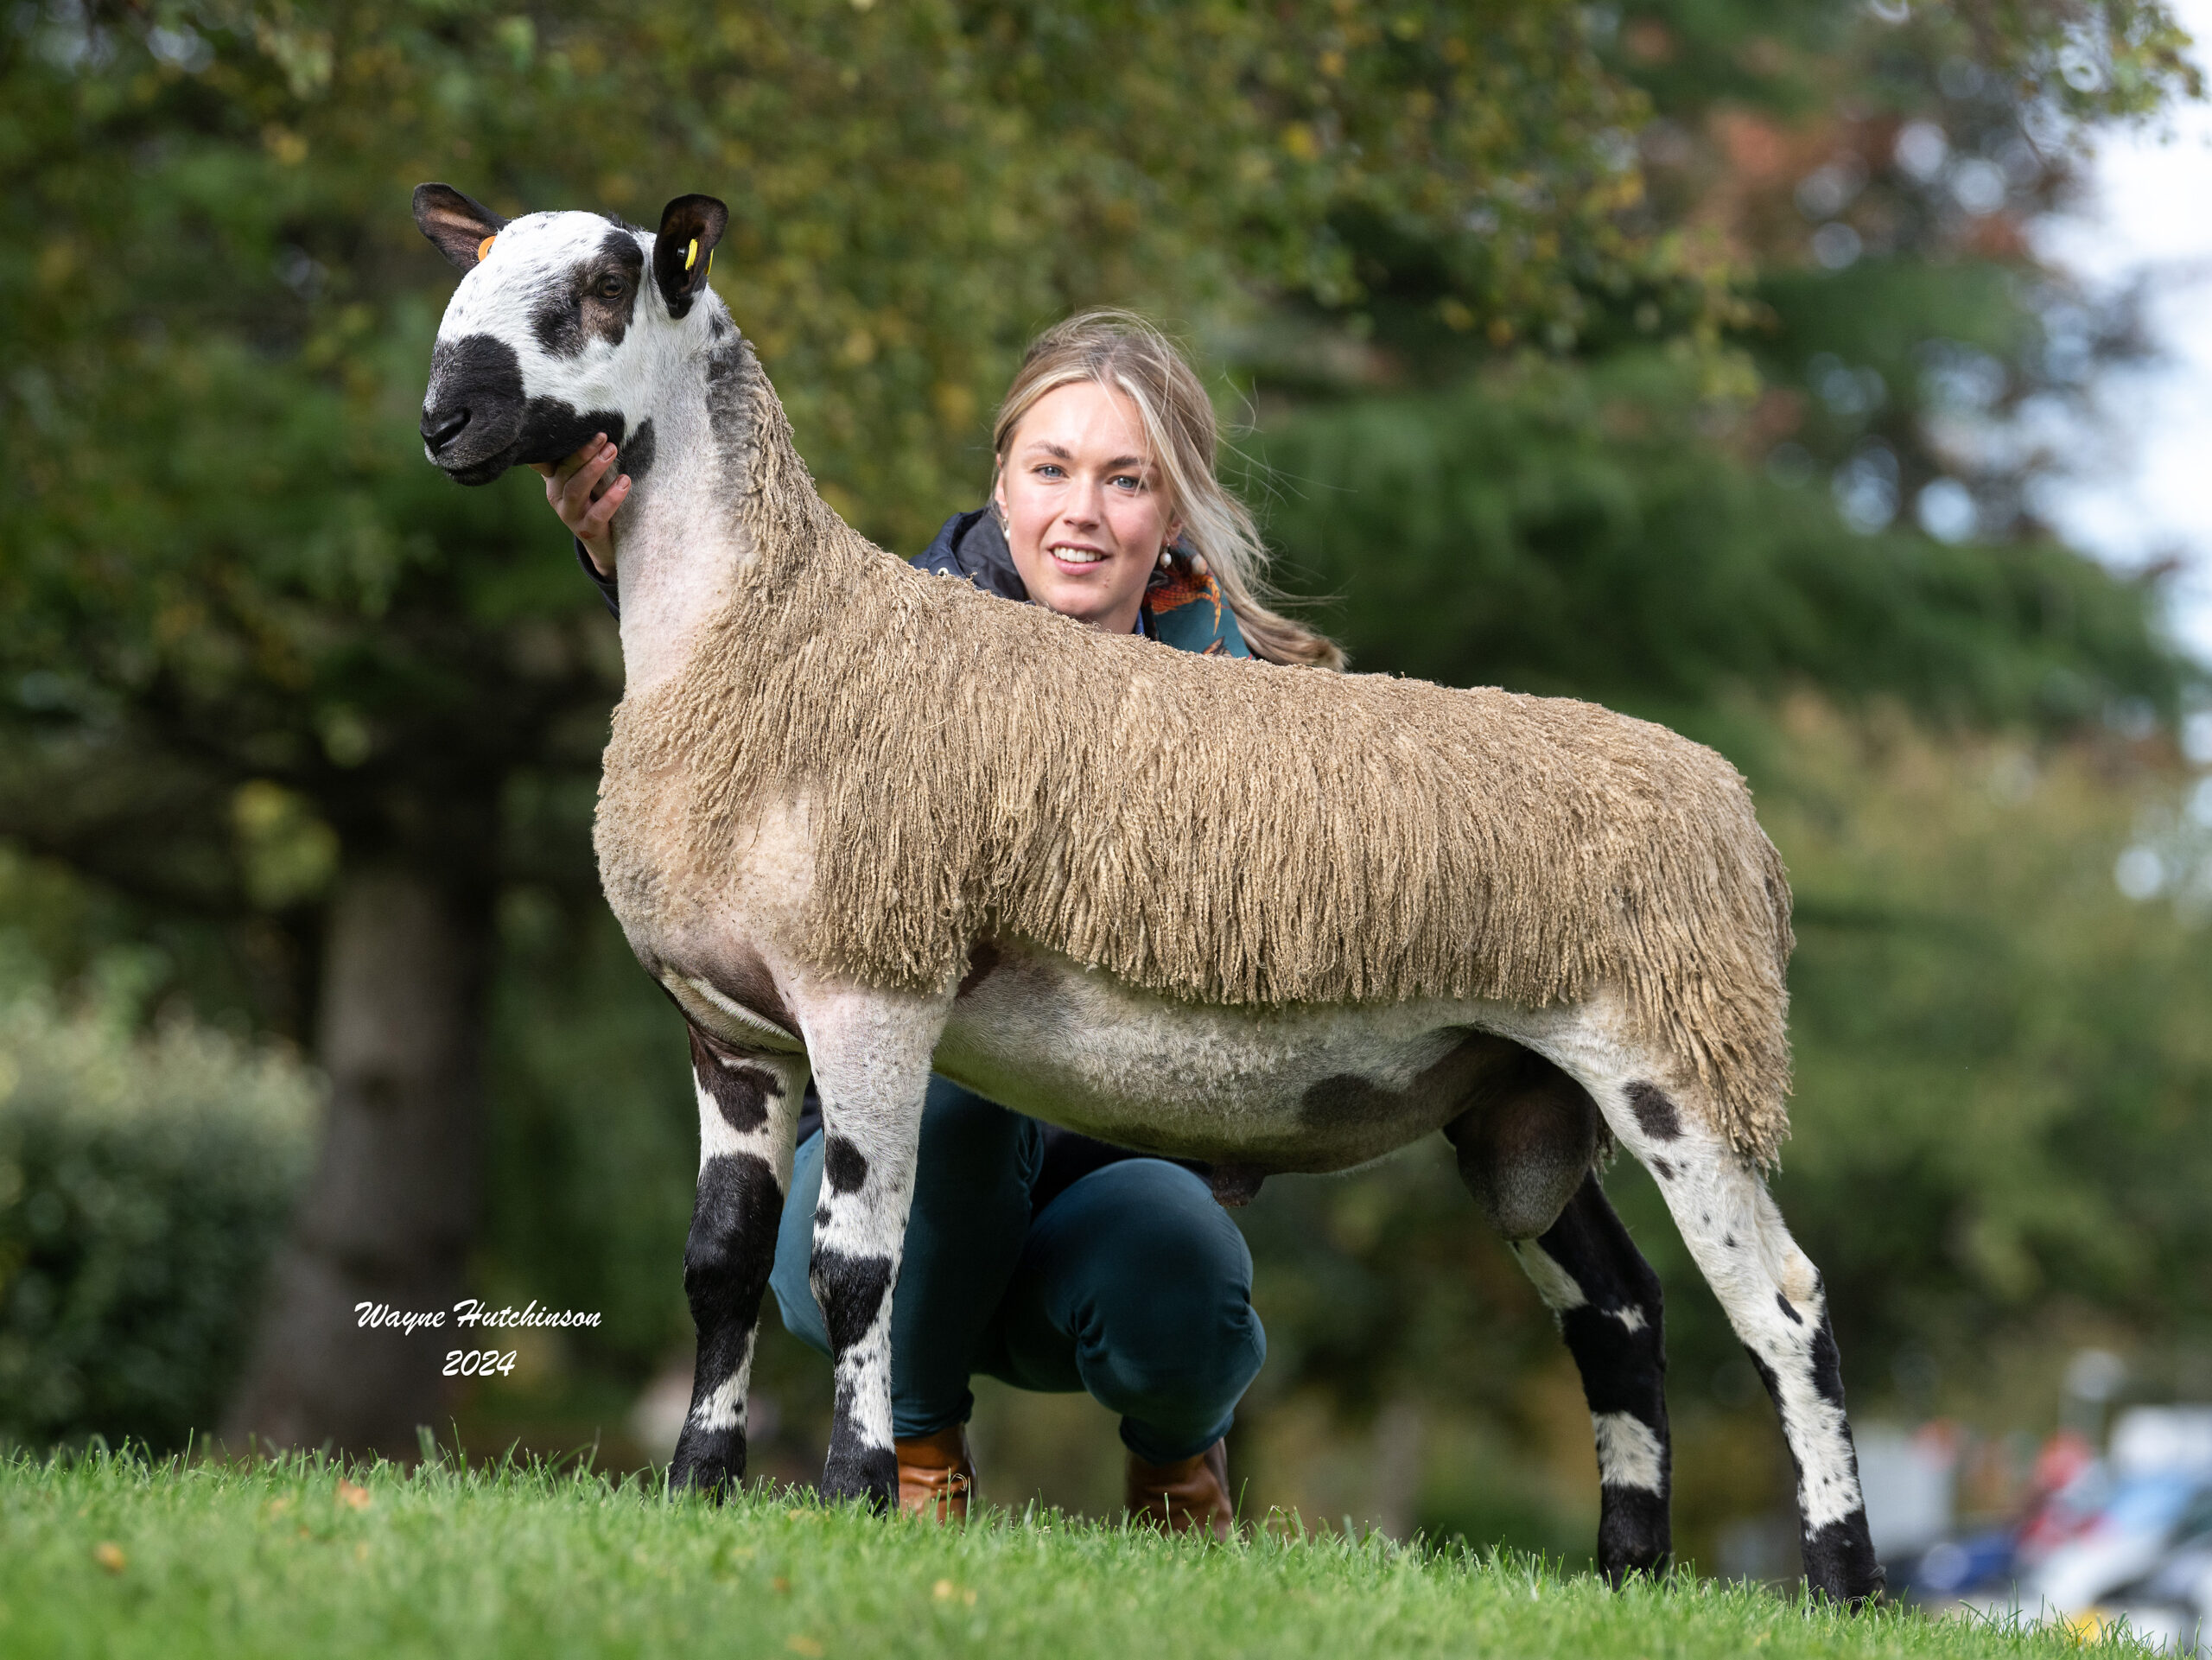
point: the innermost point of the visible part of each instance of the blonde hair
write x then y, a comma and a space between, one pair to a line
1122, 352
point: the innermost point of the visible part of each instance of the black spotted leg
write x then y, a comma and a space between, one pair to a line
872, 1062
1606, 1301
1773, 1297
748, 1108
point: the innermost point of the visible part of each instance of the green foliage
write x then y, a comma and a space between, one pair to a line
2091, 60
1991, 1036
227, 551
112, 1557
144, 1183
1590, 532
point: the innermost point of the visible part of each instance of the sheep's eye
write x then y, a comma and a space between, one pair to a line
610, 288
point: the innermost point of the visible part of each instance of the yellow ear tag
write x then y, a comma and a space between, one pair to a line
709, 271
691, 254
485, 247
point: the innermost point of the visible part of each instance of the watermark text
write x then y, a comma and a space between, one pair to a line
470, 1312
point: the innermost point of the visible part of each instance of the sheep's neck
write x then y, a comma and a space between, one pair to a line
724, 487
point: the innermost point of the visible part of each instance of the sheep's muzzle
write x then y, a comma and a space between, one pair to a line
477, 423
473, 413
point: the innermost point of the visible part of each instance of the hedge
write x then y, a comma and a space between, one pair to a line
145, 1179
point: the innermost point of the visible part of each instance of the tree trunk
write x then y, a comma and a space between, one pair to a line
390, 1213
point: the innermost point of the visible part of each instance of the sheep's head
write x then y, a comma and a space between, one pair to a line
564, 326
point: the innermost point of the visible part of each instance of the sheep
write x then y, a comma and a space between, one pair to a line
860, 822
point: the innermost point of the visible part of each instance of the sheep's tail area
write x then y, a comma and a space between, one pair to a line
1718, 999
1225, 833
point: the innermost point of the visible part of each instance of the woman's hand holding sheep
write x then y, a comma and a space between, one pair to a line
579, 491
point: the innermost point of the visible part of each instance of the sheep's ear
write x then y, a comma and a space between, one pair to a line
462, 228
690, 227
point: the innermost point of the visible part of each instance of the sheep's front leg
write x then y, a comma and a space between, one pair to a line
1606, 1301
872, 1061
748, 1106
1773, 1295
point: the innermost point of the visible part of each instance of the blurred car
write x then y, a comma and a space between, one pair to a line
2146, 1555
2126, 1537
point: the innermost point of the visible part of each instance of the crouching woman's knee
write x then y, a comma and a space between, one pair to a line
1165, 1327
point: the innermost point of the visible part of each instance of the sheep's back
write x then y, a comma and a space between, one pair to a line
1227, 831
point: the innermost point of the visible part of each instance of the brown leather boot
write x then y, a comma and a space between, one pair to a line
1189, 1496
936, 1474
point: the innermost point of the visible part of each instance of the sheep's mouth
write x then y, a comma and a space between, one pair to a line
551, 431
480, 461
482, 472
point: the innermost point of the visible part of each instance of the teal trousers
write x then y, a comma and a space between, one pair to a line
1132, 1284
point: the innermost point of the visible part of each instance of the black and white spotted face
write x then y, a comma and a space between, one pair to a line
562, 328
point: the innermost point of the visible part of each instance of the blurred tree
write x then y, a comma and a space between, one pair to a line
1570, 529
1860, 184
1994, 1036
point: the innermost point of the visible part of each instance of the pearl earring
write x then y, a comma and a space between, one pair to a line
1166, 558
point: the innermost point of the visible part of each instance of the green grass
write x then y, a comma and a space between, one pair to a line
111, 1556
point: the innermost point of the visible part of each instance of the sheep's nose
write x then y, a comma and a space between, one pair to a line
441, 427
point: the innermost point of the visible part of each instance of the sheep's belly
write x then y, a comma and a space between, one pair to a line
1307, 1087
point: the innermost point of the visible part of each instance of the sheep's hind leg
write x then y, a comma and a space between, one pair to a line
871, 1059
1606, 1301
748, 1106
1527, 1143
1773, 1297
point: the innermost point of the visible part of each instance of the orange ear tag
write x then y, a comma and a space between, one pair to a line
485, 247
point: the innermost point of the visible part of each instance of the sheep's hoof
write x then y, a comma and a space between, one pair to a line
868, 1473
1634, 1534
710, 1461
1840, 1564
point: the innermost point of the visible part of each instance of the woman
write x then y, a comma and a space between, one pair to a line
1034, 1255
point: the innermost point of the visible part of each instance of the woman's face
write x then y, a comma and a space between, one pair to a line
1086, 513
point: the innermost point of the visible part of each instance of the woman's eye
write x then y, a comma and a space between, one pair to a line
1048, 471
1128, 481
